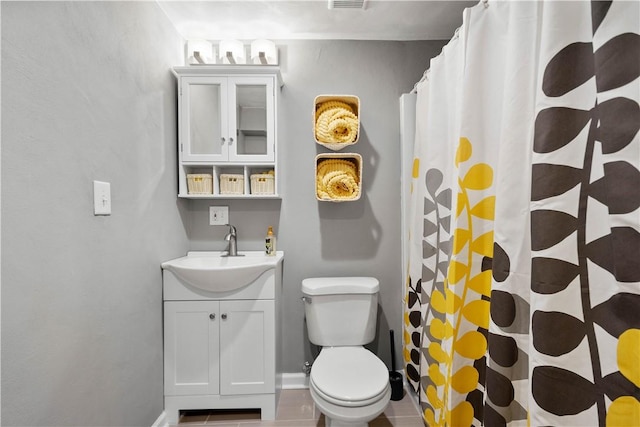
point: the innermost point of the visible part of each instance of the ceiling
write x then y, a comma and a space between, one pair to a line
312, 19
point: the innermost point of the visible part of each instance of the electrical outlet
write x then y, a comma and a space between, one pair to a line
218, 215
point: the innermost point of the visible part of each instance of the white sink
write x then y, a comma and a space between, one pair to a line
213, 272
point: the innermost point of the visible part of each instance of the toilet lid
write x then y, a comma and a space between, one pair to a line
349, 374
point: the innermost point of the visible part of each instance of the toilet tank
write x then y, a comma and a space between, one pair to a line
341, 311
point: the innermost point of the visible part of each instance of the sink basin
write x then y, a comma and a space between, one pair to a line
213, 272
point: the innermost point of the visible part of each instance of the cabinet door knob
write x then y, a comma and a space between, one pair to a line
223, 140
224, 316
212, 316
231, 140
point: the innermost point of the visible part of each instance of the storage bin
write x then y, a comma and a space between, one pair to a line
231, 183
344, 186
333, 127
199, 183
262, 183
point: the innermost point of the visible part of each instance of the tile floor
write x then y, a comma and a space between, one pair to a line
296, 409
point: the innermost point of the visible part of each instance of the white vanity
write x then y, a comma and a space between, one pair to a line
222, 339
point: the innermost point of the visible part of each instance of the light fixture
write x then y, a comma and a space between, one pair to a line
264, 52
232, 52
200, 52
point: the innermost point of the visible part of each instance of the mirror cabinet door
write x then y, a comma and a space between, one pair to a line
251, 113
253, 117
206, 137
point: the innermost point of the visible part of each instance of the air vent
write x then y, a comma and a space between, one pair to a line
347, 4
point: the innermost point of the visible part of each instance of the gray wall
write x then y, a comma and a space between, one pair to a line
86, 95
322, 238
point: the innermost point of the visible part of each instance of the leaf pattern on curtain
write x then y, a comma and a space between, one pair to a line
412, 328
454, 339
437, 212
435, 241
534, 319
607, 182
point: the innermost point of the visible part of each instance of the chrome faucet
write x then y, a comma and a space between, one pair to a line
233, 244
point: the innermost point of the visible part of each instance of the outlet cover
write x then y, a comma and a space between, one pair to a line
219, 215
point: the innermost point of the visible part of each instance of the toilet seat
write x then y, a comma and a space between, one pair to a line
349, 376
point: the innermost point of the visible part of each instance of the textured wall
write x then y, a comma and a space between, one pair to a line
322, 238
86, 95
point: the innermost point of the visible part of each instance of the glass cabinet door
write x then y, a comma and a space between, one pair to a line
204, 106
251, 115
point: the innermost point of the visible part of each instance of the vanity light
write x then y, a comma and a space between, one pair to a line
200, 52
232, 52
264, 52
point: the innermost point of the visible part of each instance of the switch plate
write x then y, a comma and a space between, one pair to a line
219, 215
101, 198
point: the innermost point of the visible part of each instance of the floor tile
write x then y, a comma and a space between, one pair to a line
383, 421
302, 411
194, 417
296, 409
285, 423
232, 416
402, 408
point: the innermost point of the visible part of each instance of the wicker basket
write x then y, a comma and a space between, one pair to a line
262, 183
353, 101
231, 183
199, 183
355, 159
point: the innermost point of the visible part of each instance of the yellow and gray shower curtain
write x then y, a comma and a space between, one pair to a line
523, 298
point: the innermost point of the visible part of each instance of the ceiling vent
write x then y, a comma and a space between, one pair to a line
347, 4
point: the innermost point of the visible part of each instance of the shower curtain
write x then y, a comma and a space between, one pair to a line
523, 296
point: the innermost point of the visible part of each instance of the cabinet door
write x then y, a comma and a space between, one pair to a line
204, 132
247, 347
251, 119
191, 353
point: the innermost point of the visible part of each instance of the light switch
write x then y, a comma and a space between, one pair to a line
101, 198
219, 215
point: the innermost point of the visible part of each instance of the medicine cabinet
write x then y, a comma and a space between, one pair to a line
227, 118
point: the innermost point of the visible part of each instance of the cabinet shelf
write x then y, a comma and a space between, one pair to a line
245, 69
249, 132
216, 170
230, 196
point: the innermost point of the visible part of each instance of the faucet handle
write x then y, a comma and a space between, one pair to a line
232, 233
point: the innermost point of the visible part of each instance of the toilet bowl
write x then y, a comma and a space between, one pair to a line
350, 386
348, 383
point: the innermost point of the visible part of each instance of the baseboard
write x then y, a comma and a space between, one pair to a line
161, 421
292, 381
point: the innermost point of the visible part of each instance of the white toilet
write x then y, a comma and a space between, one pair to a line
348, 383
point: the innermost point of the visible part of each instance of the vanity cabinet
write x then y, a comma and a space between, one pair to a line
227, 124
222, 349
219, 347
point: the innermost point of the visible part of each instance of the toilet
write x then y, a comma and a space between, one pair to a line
348, 383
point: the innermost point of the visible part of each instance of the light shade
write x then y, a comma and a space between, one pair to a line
200, 52
232, 52
264, 52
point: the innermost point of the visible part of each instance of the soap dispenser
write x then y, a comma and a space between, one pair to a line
270, 242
